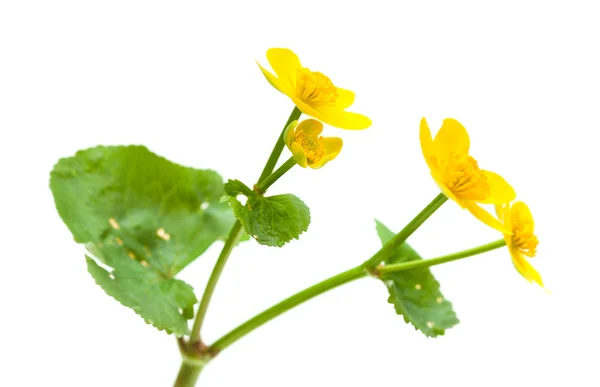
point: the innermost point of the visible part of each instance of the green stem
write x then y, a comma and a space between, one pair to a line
407, 231
236, 230
190, 369
266, 183
230, 243
274, 157
394, 268
287, 304
335, 281
188, 374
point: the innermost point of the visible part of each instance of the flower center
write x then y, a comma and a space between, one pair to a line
312, 146
464, 178
523, 238
315, 88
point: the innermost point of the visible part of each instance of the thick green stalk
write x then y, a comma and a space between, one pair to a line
188, 374
287, 304
272, 178
394, 268
230, 243
274, 157
407, 231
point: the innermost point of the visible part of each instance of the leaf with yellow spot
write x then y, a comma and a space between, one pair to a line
415, 293
143, 219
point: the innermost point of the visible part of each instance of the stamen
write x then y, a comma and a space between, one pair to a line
523, 237
464, 178
315, 88
311, 145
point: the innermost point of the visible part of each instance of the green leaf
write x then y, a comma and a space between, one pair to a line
164, 303
146, 218
415, 293
273, 220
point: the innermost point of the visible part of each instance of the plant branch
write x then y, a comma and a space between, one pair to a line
335, 281
236, 231
278, 148
230, 243
397, 267
287, 304
407, 231
272, 178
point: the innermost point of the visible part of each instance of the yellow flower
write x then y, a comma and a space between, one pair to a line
522, 243
312, 92
308, 148
458, 175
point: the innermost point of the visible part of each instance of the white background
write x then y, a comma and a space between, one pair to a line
180, 78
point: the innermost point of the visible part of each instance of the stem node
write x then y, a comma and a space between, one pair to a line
374, 271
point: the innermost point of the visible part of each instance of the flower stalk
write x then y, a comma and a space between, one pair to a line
287, 304
194, 350
337, 280
406, 232
278, 148
273, 177
232, 239
385, 270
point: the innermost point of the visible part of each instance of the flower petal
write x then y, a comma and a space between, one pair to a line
324, 160
525, 268
427, 147
485, 217
500, 191
290, 134
285, 64
299, 155
500, 208
306, 109
344, 99
331, 144
522, 213
451, 136
272, 80
310, 127
504, 215
332, 116
342, 119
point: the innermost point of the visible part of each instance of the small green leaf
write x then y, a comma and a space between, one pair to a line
416, 293
146, 218
273, 220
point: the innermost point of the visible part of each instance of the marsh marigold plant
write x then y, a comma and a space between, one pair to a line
144, 219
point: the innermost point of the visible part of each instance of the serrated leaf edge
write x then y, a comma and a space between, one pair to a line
230, 199
404, 313
177, 333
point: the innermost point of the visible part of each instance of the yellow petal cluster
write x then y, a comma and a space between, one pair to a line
523, 242
308, 147
311, 91
458, 175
